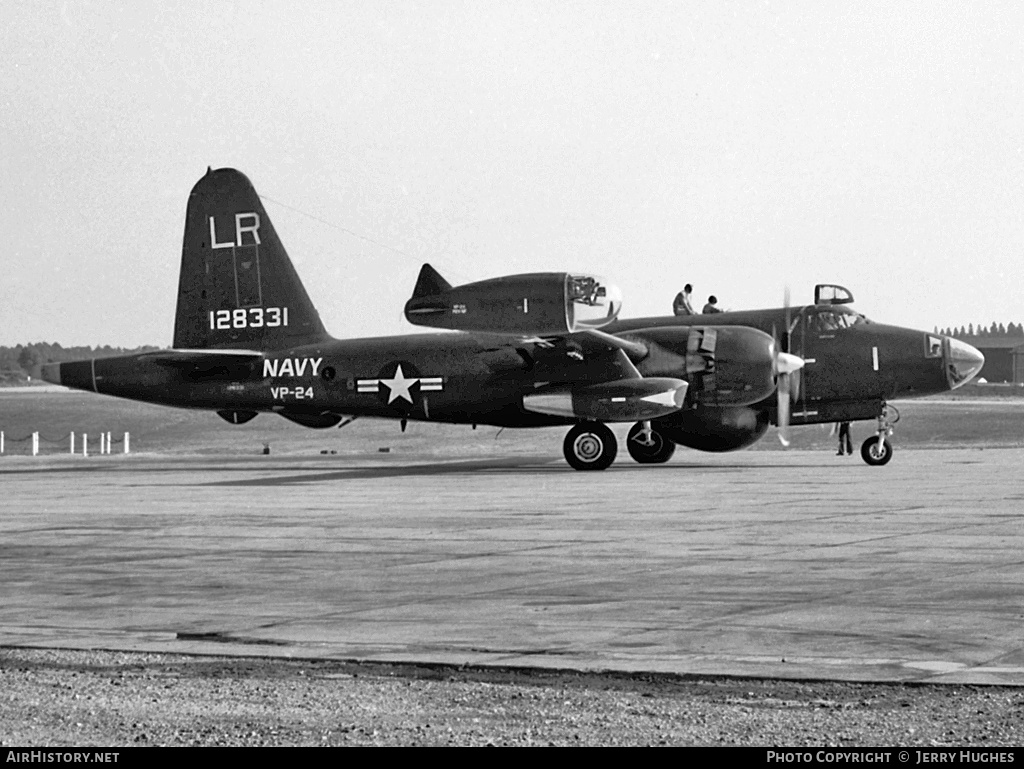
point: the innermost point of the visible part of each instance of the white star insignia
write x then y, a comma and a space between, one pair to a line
399, 385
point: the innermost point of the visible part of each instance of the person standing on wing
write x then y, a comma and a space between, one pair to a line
681, 304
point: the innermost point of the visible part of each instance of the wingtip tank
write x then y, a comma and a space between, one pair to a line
536, 304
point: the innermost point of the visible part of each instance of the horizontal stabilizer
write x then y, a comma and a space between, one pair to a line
318, 421
202, 359
237, 417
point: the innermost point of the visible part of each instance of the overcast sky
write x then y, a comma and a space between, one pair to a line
737, 146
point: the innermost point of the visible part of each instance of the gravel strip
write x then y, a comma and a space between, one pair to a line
82, 698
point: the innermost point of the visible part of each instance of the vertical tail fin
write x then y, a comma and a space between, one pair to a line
238, 288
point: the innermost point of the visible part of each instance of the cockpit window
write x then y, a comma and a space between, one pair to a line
832, 319
823, 321
849, 317
933, 346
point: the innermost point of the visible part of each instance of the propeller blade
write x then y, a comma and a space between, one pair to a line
789, 328
786, 367
782, 405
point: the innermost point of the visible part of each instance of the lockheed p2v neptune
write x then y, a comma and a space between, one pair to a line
535, 350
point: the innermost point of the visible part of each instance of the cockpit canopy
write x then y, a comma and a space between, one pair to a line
828, 313
829, 293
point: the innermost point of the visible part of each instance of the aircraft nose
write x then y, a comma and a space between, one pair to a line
964, 362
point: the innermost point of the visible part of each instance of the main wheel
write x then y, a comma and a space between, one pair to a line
590, 446
871, 454
649, 450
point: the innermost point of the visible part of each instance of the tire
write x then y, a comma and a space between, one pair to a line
590, 446
869, 452
658, 451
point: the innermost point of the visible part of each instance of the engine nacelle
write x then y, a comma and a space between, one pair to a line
715, 428
624, 400
536, 304
725, 365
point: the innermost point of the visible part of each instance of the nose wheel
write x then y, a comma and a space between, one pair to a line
648, 446
590, 446
877, 450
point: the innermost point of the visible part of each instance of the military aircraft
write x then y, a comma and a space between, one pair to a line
534, 350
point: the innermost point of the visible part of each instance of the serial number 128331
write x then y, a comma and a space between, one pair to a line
250, 317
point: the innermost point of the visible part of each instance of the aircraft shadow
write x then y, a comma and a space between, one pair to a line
531, 465
524, 466
281, 474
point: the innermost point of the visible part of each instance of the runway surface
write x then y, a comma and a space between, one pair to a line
798, 564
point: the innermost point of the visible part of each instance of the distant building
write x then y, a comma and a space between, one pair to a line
1004, 358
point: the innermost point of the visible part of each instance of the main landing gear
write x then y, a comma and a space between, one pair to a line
590, 446
877, 450
648, 446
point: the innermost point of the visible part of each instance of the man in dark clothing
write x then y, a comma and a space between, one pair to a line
711, 307
844, 439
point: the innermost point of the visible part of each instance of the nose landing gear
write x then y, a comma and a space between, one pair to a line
877, 450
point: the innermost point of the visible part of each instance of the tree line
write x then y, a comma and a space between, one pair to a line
995, 331
22, 361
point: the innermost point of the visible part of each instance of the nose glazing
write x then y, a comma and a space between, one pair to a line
964, 362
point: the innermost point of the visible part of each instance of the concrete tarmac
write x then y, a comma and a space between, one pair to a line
798, 564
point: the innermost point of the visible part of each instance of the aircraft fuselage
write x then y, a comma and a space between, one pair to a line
849, 373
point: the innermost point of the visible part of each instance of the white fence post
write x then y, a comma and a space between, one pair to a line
109, 441
35, 444
85, 444
72, 442
125, 442
1, 441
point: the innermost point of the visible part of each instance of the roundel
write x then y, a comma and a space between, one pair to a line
398, 383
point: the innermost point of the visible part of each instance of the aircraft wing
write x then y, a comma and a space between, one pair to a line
590, 342
584, 356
